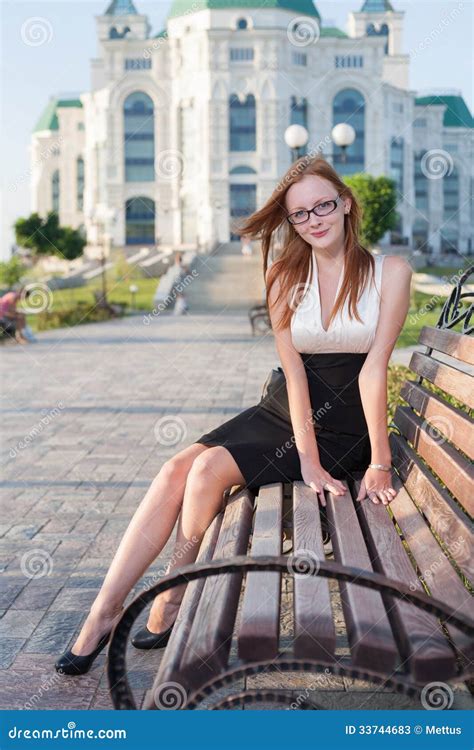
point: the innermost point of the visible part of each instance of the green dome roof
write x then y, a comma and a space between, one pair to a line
299, 7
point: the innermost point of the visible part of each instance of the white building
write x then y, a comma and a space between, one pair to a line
183, 131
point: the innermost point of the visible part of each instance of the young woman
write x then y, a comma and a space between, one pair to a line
336, 313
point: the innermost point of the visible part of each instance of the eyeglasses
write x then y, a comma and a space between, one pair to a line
322, 209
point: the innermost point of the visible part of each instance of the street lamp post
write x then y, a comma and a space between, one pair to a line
296, 137
343, 135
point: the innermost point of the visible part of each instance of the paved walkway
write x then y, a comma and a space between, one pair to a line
89, 415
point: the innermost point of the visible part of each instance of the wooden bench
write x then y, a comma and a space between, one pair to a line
259, 319
402, 570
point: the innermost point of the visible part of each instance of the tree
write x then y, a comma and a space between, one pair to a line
377, 198
11, 271
47, 237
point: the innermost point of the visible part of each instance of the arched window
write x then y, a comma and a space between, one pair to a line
242, 23
298, 111
370, 30
242, 170
55, 190
139, 145
349, 107
140, 221
80, 183
242, 123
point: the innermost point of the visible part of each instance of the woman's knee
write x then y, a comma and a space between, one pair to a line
215, 466
176, 468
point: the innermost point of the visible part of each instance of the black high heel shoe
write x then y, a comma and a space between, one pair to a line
69, 663
144, 638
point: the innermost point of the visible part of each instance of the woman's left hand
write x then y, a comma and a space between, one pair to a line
376, 484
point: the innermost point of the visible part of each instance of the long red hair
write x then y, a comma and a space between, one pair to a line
294, 261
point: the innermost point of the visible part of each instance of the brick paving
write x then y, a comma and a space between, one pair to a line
81, 445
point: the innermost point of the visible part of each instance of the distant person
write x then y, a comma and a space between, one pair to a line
8, 311
246, 246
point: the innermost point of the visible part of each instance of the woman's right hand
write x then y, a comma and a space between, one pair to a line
319, 480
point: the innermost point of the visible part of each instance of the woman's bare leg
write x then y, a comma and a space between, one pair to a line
210, 475
145, 537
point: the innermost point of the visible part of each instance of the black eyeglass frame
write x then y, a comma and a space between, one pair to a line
313, 211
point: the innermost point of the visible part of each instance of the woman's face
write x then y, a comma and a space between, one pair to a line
310, 191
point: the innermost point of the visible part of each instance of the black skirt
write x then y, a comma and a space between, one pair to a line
261, 438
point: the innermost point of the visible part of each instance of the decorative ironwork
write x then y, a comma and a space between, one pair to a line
259, 319
454, 310
119, 687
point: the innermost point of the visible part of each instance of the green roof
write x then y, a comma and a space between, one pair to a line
49, 117
333, 31
457, 114
302, 7
121, 8
376, 6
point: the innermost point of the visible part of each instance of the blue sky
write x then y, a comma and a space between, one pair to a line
30, 74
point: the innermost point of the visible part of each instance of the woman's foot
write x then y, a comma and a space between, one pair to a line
94, 628
94, 636
158, 631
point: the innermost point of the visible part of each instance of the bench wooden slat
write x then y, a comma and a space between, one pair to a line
314, 631
209, 641
370, 636
258, 633
452, 468
436, 571
449, 342
419, 636
453, 423
170, 663
458, 384
445, 516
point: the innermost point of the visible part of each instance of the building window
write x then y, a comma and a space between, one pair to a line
242, 170
299, 58
349, 107
451, 194
420, 122
383, 31
421, 184
140, 221
242, 23
242, 203
80, 183
298, 111
138, 63
139, 137
80, 126
242, 123
396, 163
349, 61
397, 107
55, 189
241, 54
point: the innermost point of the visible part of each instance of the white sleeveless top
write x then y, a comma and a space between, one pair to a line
343, 334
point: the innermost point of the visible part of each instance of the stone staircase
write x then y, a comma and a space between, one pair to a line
226, 281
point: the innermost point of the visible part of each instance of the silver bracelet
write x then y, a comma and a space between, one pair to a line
383, 467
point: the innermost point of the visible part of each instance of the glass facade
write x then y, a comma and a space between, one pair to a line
420, 225
349, 107
242, 124
55, 190
80, 183
139, 146
243, 202
140, 221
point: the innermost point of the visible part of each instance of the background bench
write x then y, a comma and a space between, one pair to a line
403, 570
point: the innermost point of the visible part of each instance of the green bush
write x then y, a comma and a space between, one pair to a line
82, 312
